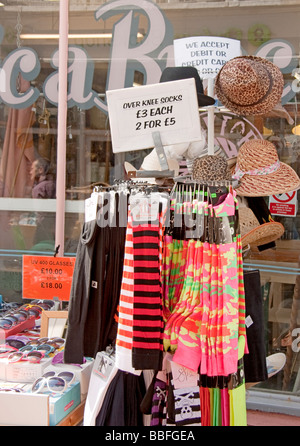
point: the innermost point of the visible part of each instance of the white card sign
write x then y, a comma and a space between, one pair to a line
170, 108
206, 53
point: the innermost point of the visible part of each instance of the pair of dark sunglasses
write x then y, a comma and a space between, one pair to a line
46, 304
54, 342
13, 318
17, 341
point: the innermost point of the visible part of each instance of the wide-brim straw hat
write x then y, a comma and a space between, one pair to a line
178, 73
249, 85
260, 172
255, 234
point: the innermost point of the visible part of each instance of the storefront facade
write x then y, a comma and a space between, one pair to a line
115, 45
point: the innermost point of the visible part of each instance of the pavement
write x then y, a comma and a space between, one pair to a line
258, 418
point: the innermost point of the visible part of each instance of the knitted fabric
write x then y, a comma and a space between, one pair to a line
187, 406
125, 308
158, 413
208, 337
147, 307
148, 233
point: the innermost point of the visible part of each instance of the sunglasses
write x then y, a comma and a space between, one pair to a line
4, 389
54, 342
13, 318
17, 341
56, 383
33, 310
7, 306
45, 304
6, 350
46, 348
34, 356
20, 315
7, 322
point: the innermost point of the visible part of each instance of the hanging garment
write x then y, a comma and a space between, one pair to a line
147, 302
158, 413
125, 308
204, 327
121, 404
205, 406
95, 288
80, 289
187, 298
146, 404
148, 223
255, 364
237, 391
181, 289
187, 406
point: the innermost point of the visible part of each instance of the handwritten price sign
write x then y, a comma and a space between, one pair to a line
207, 54
47, 277
170, 108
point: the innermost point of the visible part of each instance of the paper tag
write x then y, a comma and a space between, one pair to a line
183, 377
144, 209
103, 365
248, 321
90, 208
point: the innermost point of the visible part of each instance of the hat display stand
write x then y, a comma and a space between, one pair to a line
165, 172
211, 118
210, 130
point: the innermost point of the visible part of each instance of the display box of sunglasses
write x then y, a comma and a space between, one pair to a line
82, 373
40, 409
60, 406
24, 371
22, 326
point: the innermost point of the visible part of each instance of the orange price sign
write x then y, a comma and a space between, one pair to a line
47, 277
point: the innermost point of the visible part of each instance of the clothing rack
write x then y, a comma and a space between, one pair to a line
156, 257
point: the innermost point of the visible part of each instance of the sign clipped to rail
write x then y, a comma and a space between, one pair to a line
46, 277
170, 108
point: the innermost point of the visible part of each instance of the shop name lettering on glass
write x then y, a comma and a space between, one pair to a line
147, 114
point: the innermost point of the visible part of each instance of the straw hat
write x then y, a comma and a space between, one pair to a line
260, 173
178, 73
249, 85
255, 234
211, 168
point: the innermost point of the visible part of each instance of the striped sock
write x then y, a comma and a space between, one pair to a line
158, 413
125, 309
187, 406
147, 344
